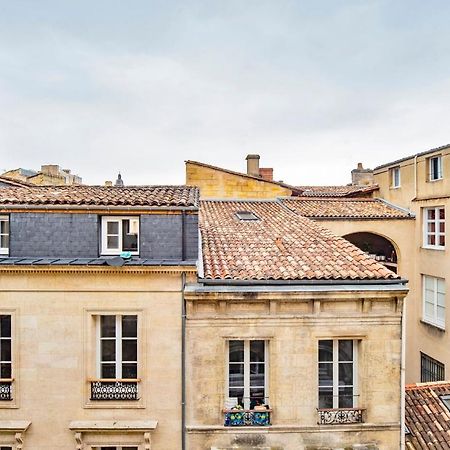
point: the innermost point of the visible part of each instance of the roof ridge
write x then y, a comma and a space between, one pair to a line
426, 385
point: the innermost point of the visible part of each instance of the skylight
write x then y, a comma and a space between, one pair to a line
446, 400
246, 215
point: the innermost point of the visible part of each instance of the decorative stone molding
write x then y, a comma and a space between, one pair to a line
16, 428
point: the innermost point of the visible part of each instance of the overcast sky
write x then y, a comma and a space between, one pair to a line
141, 86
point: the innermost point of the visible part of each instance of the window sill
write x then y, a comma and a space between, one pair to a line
394, 187
437, 179
433, 247
434, 325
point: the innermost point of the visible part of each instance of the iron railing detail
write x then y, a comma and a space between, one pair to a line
340, 416
114, 390
5, 390
241, 418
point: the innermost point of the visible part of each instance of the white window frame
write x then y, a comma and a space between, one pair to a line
433, 320
119, 220
247, 370
440, 174
437, 233
355, 363
118, 447
118, 339
395, 177
4, 250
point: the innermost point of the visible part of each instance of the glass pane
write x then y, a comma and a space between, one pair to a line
431, 214
346, 350
325, 374
429, 310
345, 374
108, 371
429, 283
129, 370
5, 370
441, 299
236, 375
442, 213
129, 350
108, 326
5, 350
442, 240
431, 239
4, 241
5, 325
129, 241
129, 326
257, 374
236, 351
108, 348
345, 397
112, 227
442, 227
326, 350
237, 393
112, 242
256, 396
441, 285
326, 397
4, 226
441, 314
431, 227
256, 351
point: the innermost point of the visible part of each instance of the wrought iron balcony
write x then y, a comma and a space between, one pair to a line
6, 389
242, 418
340, 416
114, 390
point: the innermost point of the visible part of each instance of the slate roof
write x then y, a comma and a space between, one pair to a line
336, 191
427, 417
346, 208
280, 245
145, 196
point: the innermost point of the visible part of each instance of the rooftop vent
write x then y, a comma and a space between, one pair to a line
246, 215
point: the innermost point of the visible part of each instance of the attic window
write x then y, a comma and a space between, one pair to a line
246, 215
446, 400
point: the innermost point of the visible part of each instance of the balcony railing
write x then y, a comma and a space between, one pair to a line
6, 389
340, 416
114, 390
242, 418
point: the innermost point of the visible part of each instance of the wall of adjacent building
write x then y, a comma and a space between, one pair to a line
292, 324
53, 355
216, 183
417, 196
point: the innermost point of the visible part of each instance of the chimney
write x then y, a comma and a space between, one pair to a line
361, 176
266, 173
50, 169
108, 183
253, 165
119, 181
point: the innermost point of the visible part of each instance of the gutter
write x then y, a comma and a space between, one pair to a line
183, 363
403, 379
232, 282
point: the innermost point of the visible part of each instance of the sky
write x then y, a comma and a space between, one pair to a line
140, 86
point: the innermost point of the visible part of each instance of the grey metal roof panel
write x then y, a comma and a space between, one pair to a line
45, 261
91, 262
7, 261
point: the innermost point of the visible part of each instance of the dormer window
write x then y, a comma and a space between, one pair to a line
435, 169
395, 177
4, 235
246, 215
120, 234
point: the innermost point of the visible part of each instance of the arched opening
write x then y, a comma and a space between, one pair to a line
377, 247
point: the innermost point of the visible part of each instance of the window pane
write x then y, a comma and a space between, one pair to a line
256, 394
129, 326
325, 374
108, 347
5, 370
431, 214
326, 350
129, 240
429, 310
112, 242
257, 374
326, 397
4, 241
345, 397
442, 213
441, 299
112, 227
129, 370
257, 351
441, 285
441, 314
5, 350
236, 351
236, 375
442, 240
429, 283
108, 371
431, 239
346, 350
441, 227
431, 227
5, 325
4, 226
129, 350
345, 374
237, 393
108, 326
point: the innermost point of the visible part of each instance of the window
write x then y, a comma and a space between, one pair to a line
434, 300
115, 448
446, 400
4, 235
120, 234
431, 370
5, 357
246, 215
435, 168
247, 369
337, 373
395, 177
434, 227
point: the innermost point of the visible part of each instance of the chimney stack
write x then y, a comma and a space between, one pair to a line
108, 183
253, 165
361, 176
266, 173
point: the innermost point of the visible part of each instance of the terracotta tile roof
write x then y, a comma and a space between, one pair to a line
12, 182
280, 245
345, 208
427, 417
145, 196
336, 191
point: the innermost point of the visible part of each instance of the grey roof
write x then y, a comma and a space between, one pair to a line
426, 152
92, 262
